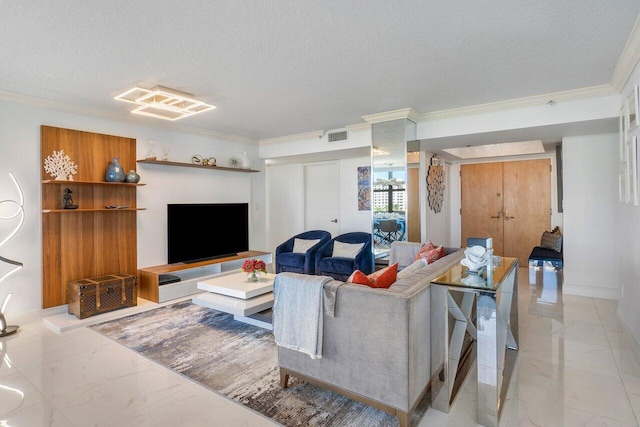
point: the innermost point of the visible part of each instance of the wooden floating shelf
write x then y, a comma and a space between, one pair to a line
131, 184
191, 165
45, 211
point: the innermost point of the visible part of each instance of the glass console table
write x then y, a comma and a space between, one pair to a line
494, 331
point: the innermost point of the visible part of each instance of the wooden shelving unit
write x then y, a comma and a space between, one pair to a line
191, 165
89, 241
67, 183
68, 211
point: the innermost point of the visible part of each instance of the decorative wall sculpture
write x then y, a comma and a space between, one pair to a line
19, 213
435, 184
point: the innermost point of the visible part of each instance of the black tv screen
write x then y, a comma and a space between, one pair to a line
198, 232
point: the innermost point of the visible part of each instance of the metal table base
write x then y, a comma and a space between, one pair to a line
495, 333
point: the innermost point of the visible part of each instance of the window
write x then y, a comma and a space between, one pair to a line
389, 193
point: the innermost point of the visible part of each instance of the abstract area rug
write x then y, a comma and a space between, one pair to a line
239, 361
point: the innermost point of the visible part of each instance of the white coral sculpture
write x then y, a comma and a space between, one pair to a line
60, 166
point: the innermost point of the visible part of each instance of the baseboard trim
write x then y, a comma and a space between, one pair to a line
634, 344
590, 291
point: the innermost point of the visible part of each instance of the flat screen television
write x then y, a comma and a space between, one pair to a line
197, 232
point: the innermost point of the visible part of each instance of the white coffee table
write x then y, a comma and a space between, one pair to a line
249, 302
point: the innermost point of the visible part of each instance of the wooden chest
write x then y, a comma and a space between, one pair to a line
86, 297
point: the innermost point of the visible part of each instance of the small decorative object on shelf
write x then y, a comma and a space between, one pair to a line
132, 176
67, 200
245, 163
204, 161
165, 153
151, 155
115, 172
253, 267
60, 166
234, 162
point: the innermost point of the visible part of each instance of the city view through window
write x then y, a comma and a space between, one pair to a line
389, 186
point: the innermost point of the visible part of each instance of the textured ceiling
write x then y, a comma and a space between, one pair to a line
282, 67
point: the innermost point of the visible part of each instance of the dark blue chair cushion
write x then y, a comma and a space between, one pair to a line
341, 268
545, 254
290, 261
539, 255
337, 265
286, 260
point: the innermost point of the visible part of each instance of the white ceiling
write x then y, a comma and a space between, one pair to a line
276, 68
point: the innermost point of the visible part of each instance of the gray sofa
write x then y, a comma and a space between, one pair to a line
377, 345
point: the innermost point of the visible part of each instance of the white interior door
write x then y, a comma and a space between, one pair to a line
322, 197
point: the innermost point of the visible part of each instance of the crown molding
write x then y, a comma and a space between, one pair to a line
405, 113
628, 58
359, 127
101, 114
317, 134
569, 95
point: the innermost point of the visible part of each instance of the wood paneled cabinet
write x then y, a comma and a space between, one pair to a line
92, 240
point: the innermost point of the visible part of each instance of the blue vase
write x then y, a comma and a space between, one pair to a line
115, 173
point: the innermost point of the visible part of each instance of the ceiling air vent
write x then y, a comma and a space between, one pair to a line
338, 136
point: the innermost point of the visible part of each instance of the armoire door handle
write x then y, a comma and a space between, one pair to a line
497, 216
335, 220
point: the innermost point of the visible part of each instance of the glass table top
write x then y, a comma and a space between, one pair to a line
459, 276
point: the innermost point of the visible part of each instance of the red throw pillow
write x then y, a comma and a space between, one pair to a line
424, 250
430, 252
435, 254
359, 278
384, 278
380, 279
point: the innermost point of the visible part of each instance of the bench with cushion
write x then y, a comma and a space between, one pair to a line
549, 251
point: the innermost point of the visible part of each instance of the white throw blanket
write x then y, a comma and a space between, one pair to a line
298, 312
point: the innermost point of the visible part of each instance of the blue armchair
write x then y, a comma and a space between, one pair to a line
298, 262
340, 268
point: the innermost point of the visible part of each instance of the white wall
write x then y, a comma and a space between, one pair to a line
285, 203
434, 226
454, 197
20, 153
314, 142
285, 200
628, 247
590, 246
351, 219
568, 111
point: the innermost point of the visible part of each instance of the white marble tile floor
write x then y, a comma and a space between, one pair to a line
574, 368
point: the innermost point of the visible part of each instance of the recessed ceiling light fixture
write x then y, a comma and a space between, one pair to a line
163, 103
377, 151
497, 150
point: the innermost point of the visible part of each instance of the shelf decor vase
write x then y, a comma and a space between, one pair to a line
132, 176
253, 276
245, 163
115, 173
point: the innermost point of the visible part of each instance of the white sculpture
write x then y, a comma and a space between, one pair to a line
4, 328
60, 166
